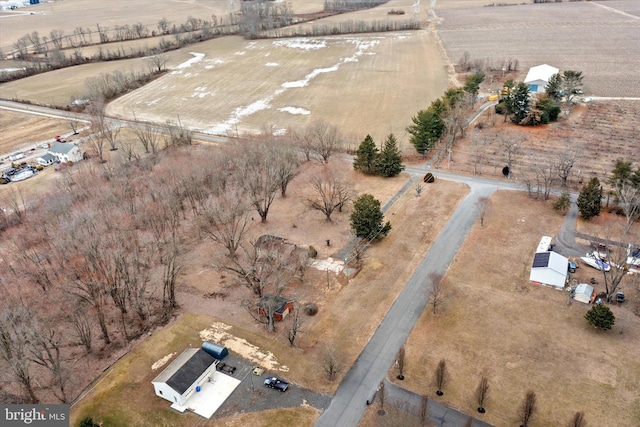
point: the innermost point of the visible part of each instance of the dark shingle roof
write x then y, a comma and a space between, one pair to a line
189, 372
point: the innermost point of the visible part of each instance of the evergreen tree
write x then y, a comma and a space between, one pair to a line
621, 172
389, 161
554, 88
367, 217
571, 84
472, 84
601, 317
590, 199
366, 156
427, 127
519, 102
563, 203
548, 108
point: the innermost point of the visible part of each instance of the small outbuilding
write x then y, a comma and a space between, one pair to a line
46, 160
538, 77
584, 293
185, 375
280, 306
549, 269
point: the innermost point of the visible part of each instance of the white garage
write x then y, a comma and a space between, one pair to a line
538, 77
549, 269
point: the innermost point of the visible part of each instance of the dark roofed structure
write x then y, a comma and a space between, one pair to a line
186, 375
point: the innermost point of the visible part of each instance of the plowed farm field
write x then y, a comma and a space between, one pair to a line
364, 84
601, 39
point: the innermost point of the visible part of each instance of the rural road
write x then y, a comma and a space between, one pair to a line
359, 384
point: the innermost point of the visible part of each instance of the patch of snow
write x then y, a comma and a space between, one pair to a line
11, 70
295, 110
272, 64
279, 132
197, 57
242, 52
301, 43
299, 83
259, 105
154, 102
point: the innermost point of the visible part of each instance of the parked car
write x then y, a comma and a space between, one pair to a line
620, 297
572, 267
277, 383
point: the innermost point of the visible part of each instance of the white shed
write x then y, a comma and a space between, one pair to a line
538, 77
584, 293
183, 377
549, 269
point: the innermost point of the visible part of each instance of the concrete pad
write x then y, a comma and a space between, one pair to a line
211, 396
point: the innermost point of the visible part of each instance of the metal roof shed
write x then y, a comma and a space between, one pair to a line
584, 293
549, 269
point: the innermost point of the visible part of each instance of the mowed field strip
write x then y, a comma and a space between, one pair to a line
363, 84
599, 41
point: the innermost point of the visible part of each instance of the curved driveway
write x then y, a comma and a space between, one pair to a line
371, 366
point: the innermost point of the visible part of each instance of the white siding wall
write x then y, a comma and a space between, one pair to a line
201, 380
166, 392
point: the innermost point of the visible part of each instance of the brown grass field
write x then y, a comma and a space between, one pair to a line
520, 336
583, 36
349, 311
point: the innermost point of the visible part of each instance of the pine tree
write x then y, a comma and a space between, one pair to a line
600, 316
366, 156
554, 87
390, 160
590, 199
366, 218
427, 127
520, 103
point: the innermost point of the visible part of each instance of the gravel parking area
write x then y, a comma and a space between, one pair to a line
257, 397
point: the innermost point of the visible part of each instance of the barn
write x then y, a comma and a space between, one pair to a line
538, 77
185, 375
549, 269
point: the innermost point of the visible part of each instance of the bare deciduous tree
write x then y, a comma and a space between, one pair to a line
577, 420
44, 349
628, 198
258, 175
82, 326
97, 139
15, 328
13, 199
616, 258
149, 136
425, 412
482, 391
296, 325
400, 360
332, 364
73, 122
481, 206
565, 161
441, 377
330, 192
527, 408
224, 219
158, 62
511, 147
323, 139
439, 291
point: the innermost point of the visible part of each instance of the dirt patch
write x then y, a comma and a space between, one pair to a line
522, 336
161, 362
218, 334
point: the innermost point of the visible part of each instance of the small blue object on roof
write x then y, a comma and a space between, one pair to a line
215, 350
198, 388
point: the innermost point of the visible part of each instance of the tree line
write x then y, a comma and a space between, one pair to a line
109, 246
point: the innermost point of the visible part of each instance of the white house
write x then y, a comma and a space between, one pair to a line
66, 152
538, 77
584, 293
183, 377
46, 159
549, 269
